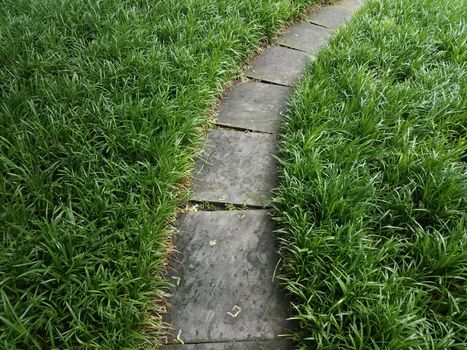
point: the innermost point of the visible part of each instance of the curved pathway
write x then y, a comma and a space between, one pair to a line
224, 294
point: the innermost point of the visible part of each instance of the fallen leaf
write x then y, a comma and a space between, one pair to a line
179, 338
237, 309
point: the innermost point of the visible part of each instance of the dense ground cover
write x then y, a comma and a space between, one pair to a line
102, 105
372, 201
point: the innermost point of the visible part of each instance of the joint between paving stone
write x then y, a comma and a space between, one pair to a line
291, 48
270, 82
221, 126
333, 16
310, 20
252, 341
266, 344
221, 206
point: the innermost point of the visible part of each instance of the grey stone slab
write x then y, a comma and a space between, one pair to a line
254, 106
331, 16
306, 37
350, 4
253, 345
236, 167
278, 65
225, 264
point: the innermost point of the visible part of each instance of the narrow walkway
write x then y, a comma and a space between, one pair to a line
225, 296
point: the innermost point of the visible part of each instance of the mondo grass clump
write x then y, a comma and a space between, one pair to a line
372, 201
102, 108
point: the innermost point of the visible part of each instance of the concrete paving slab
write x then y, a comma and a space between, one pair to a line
279, 65
306, 37
253, 345
254, 106
236, 167
225, 268
331, 16
350, 4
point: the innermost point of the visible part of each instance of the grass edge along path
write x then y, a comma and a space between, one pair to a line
103, 106
371, 205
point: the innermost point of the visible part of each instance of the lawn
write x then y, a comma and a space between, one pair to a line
102, 108
372, 200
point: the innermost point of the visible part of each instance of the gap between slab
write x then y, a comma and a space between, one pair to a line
220, 206
221, 126
277, 344
291, 48
333, 16
271, 82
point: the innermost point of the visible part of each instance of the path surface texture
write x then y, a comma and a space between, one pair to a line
225, 296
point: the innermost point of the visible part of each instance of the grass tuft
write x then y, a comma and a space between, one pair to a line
372, 200
102, 108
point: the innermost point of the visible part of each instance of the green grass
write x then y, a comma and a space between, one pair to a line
372, 200
102, 108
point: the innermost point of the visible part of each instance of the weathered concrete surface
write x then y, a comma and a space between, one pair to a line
225, 265
278, 65
236, 167
225, 298
331, 16
254, 106
350, 4
254, 345
306, 37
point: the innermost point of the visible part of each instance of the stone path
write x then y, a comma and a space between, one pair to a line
224, 295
